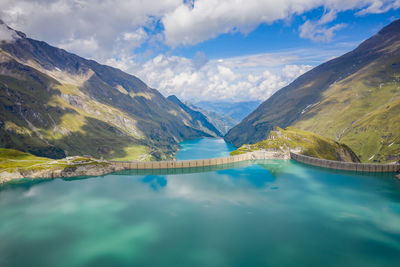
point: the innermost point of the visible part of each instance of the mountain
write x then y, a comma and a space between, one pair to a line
54, 103
223, 123
236, 110
354, 99
198, 118
307, 143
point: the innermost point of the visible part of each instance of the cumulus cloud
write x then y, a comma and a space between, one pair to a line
107, 28
193, 23
236, 79
112, 29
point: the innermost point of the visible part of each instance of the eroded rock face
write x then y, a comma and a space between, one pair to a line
8, 176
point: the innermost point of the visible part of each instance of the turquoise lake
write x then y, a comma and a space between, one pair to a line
264, 213
204, 148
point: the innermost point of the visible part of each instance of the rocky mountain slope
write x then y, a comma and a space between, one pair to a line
223, 123
198, 118
303, 142
354, 99
54, 103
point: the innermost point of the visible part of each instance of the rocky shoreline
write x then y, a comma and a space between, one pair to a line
94, 170
69, 167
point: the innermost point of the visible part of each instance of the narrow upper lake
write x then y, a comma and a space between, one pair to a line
203, 148
264, 213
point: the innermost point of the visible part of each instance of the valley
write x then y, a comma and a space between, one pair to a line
199, 133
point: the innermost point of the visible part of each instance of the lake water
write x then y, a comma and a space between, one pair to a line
203, 148
270, 213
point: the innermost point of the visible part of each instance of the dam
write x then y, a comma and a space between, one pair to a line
258, 155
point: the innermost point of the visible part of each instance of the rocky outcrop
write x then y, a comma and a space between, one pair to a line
70, 171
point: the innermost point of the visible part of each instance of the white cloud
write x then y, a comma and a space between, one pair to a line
199, 59
205, 19
208, 18
84, 46
107, 27
6, 34
237, 79
377, 7
111, 29
294, 71
317, 32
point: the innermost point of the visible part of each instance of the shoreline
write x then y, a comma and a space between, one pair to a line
98, 168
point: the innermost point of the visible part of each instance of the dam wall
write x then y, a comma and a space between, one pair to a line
146, 165
256, 155
341, 165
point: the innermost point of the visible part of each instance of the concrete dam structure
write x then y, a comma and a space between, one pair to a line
145, 165
348, 166
256, 155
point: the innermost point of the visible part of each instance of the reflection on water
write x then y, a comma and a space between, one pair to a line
271, 213
155, 182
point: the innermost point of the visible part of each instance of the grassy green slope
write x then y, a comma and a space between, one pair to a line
352, 99
12, 160
35, 118
308, 143
362, 111
376, 136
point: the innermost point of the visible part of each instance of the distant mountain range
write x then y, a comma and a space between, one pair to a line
222, 122
198, 118
354, 99
54, 103
235, 110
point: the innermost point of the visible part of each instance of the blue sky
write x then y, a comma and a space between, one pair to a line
204, 49
282, 35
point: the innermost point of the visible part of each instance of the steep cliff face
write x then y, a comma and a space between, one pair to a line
353, 99
54, 103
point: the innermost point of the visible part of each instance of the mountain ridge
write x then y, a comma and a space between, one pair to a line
54, 103
203, 123
304, 98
